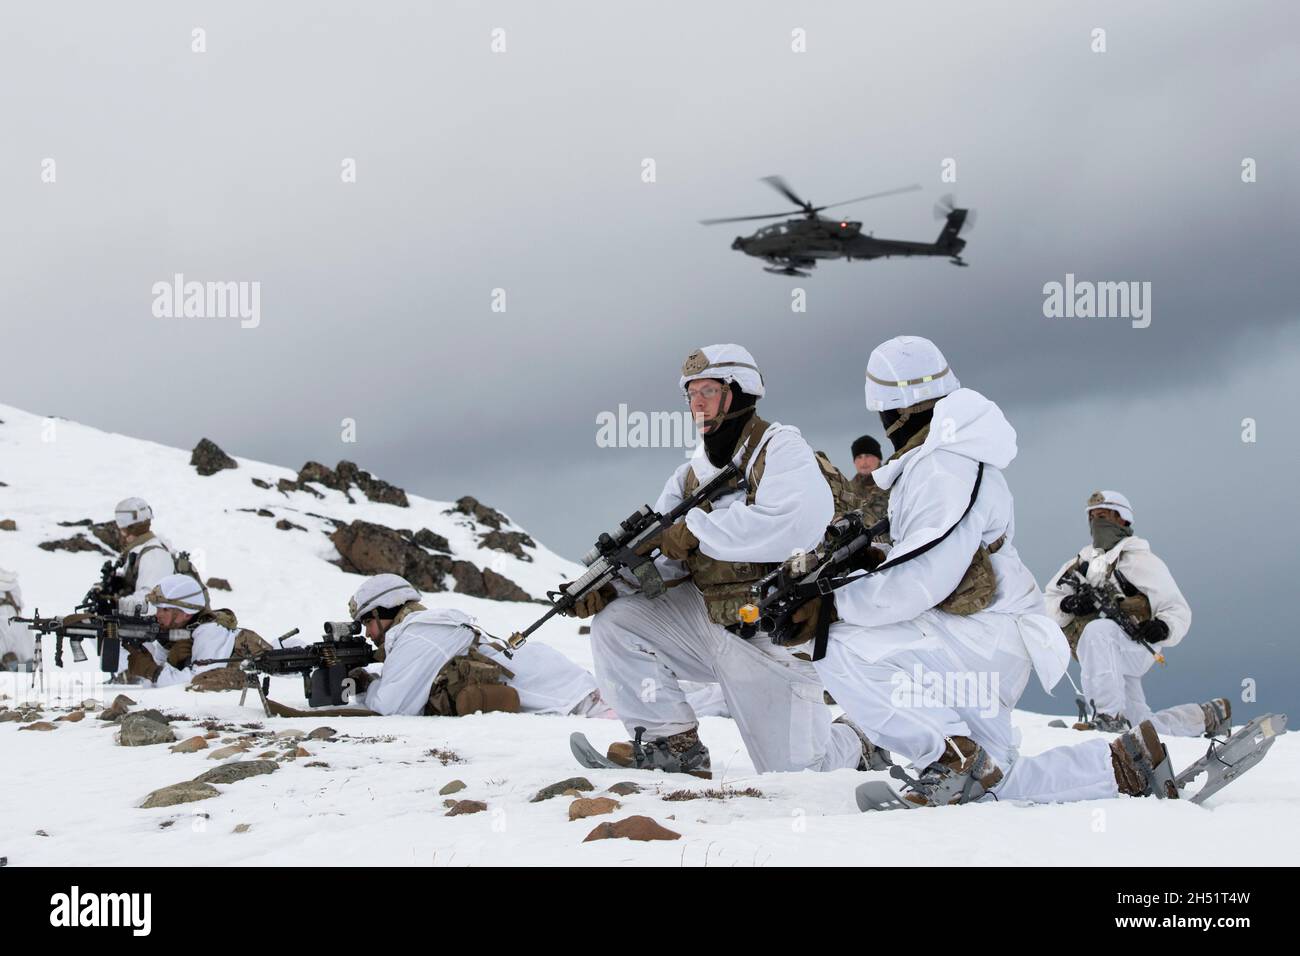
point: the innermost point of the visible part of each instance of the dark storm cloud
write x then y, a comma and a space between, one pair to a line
521, 171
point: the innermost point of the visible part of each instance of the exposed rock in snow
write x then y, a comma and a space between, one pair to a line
208, 459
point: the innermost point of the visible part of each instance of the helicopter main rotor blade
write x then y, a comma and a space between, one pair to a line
781, 186
889, 192
775, 215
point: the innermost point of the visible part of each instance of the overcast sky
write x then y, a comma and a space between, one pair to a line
522, 171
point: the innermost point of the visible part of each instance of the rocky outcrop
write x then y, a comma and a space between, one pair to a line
342, 478
109, 533
434, 542
76, 543
486, 584
208, 459
368, 548
481, 513
511, 542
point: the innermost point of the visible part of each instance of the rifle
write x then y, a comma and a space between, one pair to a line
808, 575
615, 552
102, 596
323, 666
1105, 598
110, 630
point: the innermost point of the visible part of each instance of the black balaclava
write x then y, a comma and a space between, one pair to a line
720, 444
908, 429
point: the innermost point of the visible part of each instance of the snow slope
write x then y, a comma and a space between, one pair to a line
377, 802
280, 579
70, 796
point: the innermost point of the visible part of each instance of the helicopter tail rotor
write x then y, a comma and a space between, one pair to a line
947, 205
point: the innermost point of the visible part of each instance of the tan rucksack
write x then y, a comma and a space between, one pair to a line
472, 682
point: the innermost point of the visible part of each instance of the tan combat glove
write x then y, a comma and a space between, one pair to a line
594, 601
140, 664
678, 542
178, 652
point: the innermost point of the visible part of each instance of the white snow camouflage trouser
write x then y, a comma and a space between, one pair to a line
905, 716
1111, 666
644, 646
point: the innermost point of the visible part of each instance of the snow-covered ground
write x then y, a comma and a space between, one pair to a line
71, 796
377, 802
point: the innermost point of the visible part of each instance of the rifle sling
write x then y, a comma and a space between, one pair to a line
823, 632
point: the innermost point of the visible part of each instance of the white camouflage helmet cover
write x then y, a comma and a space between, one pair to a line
131, 511
1112, 500
179, 591
728, 363
906, 370
381, 590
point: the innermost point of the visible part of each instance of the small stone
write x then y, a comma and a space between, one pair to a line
221, 753
39, 725
41, 833
625, 788
558, 789
456, 786
290, 734
142, 730
116, 710
186, 792
8, 524
242, 828
90, 704
633, 828
267, 755
302, 752
461, 807
189, 746
591, 807
218, 584
10, 715
238, 770
73, 717
584, 629
316, 763
211, 735
322, 733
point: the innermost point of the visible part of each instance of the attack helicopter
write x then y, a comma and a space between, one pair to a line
794, 246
